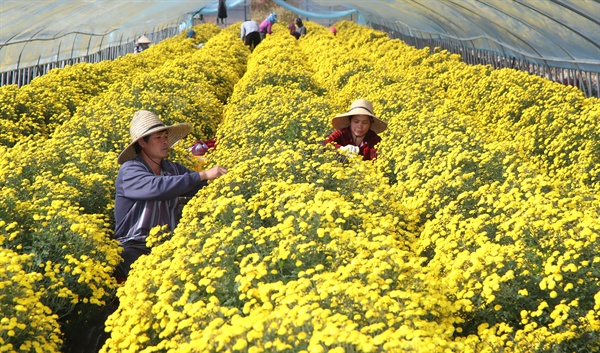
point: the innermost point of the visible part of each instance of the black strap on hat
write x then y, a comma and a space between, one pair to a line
365, 108
152, 127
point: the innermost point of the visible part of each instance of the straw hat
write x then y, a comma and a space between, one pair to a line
144, 40
359, 107
145, 123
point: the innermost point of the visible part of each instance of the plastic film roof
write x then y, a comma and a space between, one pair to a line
33, 32
561, 33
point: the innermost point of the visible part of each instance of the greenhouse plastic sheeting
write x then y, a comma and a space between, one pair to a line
313, 12
560, 33
34, 32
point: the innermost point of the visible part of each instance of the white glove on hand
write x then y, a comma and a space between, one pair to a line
350, 149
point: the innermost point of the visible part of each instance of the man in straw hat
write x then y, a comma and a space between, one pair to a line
148, 185
142, 44
356, 131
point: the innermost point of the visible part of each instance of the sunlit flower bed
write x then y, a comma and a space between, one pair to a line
58, 189
476, 229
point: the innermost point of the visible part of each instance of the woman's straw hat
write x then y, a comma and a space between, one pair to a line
359, 107
144, 40
145, 123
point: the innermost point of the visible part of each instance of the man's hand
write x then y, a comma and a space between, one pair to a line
212, 173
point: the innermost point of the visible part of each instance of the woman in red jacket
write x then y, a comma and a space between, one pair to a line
357, 130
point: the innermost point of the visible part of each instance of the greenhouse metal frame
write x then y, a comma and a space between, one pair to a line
555, 39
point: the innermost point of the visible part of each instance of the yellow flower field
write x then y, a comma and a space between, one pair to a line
475, 230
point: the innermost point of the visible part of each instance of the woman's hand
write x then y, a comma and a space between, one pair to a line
350, 148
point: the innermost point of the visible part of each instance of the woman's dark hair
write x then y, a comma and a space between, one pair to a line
298, 21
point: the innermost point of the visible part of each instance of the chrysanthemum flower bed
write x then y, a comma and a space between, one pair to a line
475, 230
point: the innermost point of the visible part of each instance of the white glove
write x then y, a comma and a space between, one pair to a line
350, 149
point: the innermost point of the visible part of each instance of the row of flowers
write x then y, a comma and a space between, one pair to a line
475, 230
57, 185
294, 251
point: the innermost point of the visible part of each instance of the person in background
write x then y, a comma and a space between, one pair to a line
192, 34
148, 186
265, 26
221, 12
201, 147
250, 34
357, 130
301, 29
333, 30
142, 44
293, 32
200, 150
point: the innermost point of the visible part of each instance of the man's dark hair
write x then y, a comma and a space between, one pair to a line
137, 146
